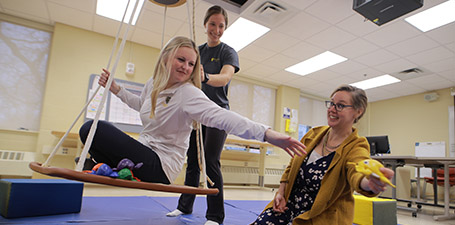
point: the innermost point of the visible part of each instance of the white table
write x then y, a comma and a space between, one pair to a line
426, 162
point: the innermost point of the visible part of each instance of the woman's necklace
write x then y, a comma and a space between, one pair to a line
326, 147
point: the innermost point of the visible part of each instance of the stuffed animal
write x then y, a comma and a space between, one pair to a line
127, 163
104, 170
124, 170
370, 167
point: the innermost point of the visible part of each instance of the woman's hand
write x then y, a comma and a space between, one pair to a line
279, 203
103, 81
375, 185
202, 74
287, 143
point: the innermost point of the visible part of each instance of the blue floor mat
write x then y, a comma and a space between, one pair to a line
144, 210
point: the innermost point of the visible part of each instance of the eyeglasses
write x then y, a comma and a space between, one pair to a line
338, 106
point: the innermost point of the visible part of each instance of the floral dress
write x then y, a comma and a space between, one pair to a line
304, 191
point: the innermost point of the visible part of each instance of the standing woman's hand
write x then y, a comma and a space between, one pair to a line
287, 143
103, 81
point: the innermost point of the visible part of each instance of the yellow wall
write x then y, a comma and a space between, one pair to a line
409, 119
285, 97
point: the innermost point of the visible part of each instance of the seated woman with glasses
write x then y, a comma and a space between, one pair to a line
317, 188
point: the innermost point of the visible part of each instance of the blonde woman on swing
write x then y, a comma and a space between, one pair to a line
169, 103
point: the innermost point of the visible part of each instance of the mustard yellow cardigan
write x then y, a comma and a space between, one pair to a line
334, 203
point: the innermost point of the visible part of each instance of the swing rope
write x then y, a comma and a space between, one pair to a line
62, 139
77, 175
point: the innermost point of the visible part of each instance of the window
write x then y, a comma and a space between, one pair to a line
23, 64
253, 101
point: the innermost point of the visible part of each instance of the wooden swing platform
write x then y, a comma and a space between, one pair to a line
84, 177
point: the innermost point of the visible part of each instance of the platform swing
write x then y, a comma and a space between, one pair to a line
78, 175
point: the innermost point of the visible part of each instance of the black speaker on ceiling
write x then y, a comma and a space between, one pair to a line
383, 11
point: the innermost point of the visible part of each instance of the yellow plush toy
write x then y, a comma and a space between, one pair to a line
370, 167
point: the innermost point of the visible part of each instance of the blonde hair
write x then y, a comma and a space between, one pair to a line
162, 70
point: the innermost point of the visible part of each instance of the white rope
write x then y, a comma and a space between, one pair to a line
91, 134
164, 26
62, 139
190, 20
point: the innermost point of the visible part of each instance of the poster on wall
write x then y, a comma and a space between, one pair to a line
114, 110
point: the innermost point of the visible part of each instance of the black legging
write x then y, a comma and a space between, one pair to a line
110, 145
213, 145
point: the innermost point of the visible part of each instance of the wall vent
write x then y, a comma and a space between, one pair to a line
250, 175
15, 163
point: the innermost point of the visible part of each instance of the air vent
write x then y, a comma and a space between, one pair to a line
269, 13
412, 70
269, 8
411, 73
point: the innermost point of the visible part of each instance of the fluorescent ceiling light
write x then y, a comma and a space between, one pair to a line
242, 32
434, 17
114, 9
376, 82
316, 63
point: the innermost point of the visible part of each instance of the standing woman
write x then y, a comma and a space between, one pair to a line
317, 187
219, 62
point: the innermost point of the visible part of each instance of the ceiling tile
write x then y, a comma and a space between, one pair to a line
245, 63
83, 5
355, 48
331, 11
302, 51
276, 41
301, 81
413, 45
403, 88
451, 46
390, 34
110, 27
395, 66
341, 80
347, 67
377, 94
260, 70
280, 61
376, 57
299, 4
427, 81
148, 38
282, 77
323, 75
444, 34
439, 85
441, 66
431, 56
449, 75
364, 74
70, 16
256, 53
330, 38
302, 26
152, 21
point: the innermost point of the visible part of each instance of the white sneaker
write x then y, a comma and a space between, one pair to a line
174, 213
211, 222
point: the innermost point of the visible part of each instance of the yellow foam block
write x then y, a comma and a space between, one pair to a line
374, 211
